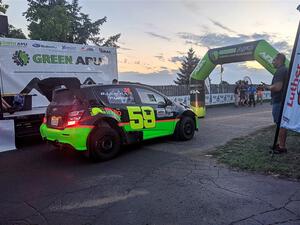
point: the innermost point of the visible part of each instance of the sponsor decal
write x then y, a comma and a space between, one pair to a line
294, 88
52, 59
66, 59
65, 47
12, 43
104, 50
227, 51
285, 119
21, 58
87, 48
266, 57
37, 45
200, 65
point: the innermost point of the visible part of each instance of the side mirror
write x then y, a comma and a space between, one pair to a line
169, 102
162, 104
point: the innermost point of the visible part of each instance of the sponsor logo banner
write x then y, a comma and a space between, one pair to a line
291, 111
26, 60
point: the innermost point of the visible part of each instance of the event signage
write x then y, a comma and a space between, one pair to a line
290, 116
25, 61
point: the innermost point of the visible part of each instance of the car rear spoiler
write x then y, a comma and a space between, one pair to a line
48, 85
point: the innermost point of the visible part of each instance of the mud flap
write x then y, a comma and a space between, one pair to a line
7, 135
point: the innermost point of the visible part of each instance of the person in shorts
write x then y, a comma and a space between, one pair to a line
277, 91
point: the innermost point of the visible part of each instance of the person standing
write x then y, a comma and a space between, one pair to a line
251, 91
260, 93
237, 94
242, 94
277, 91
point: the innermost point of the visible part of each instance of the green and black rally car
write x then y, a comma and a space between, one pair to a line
98, 119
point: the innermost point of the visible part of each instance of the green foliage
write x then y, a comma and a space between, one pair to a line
58, 20
12, 31
3, 7
15, 33
187, 66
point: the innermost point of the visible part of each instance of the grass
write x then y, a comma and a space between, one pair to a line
252, 153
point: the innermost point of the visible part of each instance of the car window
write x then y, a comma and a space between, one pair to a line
117, 95
149, 97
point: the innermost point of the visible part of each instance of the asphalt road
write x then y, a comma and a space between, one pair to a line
159, 182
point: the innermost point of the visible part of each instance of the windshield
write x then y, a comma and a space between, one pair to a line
65, 97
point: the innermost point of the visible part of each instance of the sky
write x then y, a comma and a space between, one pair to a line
156, 35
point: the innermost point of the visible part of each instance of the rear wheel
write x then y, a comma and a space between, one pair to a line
185, 129
104, 144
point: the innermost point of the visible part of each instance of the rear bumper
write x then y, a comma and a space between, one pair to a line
76, 136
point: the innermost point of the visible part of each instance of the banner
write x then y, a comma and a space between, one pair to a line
291, 111
214, 99
25, 61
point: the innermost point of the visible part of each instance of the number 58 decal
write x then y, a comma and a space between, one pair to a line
141, 117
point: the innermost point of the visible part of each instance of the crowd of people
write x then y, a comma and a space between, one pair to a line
246, 94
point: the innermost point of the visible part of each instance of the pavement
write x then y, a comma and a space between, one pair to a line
157, 182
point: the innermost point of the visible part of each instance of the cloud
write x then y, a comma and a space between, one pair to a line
181, 53
176, 59
213, 40
126, 49
160, 57
216, 23
158, 36
163, 77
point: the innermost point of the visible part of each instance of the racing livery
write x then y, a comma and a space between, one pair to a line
98, 119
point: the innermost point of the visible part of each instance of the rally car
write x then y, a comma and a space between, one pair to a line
98, 119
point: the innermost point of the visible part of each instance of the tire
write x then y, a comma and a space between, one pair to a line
185, 129
104, 144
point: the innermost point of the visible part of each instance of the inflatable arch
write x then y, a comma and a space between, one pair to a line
260, 50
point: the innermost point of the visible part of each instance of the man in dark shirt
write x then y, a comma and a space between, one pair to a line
277, 91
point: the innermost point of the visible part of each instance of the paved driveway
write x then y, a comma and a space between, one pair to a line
159, 182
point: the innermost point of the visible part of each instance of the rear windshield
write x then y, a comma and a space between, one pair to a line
96, 95
111, 95
65, 97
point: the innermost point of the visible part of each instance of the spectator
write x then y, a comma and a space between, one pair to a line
237, 94
277, 87
242, 94
251, 91
246, 93
260, 93
115, 81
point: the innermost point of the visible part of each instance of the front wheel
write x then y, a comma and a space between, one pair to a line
104, 144
185, 129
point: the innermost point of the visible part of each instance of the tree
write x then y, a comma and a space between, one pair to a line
12, 31
58, 20
187, 66
3, 7
15, 33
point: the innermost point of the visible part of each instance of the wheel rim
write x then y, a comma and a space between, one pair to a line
105, 144
188, 129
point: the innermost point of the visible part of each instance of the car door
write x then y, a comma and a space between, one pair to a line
157, 113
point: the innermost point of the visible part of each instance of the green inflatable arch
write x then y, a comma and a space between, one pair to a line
260, 50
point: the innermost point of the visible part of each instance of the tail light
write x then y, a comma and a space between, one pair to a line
74, 117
